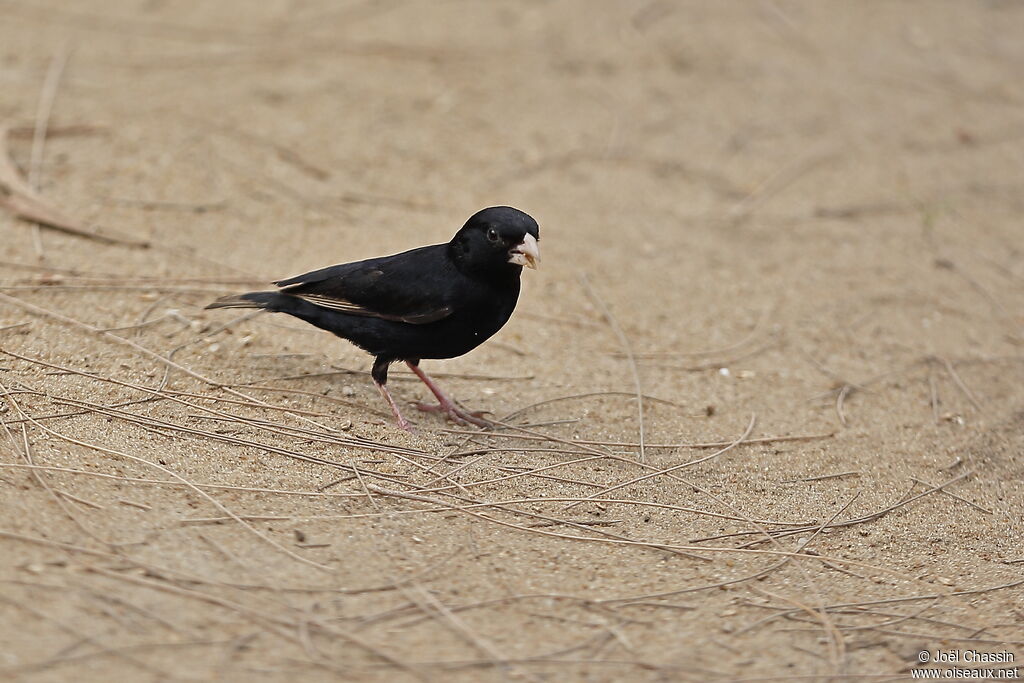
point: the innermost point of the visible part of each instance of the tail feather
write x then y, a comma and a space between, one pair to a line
321, 317
250, 300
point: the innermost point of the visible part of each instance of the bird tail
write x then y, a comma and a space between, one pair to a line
264, 300
278, 302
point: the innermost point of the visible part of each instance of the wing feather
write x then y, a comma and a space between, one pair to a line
407, 287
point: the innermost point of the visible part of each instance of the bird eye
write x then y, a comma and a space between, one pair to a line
492, 235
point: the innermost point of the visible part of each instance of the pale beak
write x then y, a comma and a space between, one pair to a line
526, 253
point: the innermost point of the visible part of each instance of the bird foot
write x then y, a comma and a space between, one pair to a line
457, 414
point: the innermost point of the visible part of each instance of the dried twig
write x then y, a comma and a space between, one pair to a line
19, 198
46, 99
628, 350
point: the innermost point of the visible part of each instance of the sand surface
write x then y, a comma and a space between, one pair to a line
796, 225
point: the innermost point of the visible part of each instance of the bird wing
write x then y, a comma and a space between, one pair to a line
406, 287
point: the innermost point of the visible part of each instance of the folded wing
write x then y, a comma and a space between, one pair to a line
403, 287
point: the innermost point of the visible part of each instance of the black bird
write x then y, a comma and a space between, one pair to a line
439, 301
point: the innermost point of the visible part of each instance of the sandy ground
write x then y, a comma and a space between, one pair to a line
783, 219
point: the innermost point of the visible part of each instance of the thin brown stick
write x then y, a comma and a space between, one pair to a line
840, 400
933, 394
19, 198
79, 500
953, 495
74, 130
45, 107
43, 111
961, 385
628, 350
821, 477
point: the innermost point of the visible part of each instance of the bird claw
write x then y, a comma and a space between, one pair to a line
457, 414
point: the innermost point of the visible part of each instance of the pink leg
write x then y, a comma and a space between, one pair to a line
402, 422
445, 404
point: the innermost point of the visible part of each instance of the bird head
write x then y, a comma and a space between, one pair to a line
497, 239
